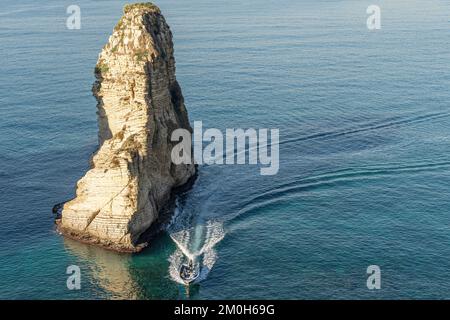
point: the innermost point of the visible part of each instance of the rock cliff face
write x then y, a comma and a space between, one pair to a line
139, 105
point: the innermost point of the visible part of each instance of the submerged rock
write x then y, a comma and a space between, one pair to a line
139, 105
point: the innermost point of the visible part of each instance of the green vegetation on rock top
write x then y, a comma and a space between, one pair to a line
101, 68
141, 5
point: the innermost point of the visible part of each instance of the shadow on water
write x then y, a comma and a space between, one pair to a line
128, 276
151, 274
108, 271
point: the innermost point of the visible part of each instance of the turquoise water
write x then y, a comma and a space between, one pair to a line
364, 176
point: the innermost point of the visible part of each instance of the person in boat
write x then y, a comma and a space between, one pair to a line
185, 272
188, 271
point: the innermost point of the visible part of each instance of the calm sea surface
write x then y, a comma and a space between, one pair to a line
364, 178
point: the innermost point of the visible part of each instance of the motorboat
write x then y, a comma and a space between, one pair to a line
189, 271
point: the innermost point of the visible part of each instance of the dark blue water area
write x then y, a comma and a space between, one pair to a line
364, 174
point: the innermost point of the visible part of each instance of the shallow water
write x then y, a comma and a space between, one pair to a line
364, 139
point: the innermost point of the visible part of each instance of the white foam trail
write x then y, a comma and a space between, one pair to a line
181, 231
181, 239
214, 234
175, 260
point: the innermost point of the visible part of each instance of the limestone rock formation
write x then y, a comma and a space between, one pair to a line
139, 105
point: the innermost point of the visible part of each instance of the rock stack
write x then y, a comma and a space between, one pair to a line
140, 103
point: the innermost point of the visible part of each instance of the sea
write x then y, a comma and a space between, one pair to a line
364, 172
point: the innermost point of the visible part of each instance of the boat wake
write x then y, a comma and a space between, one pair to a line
195, 241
